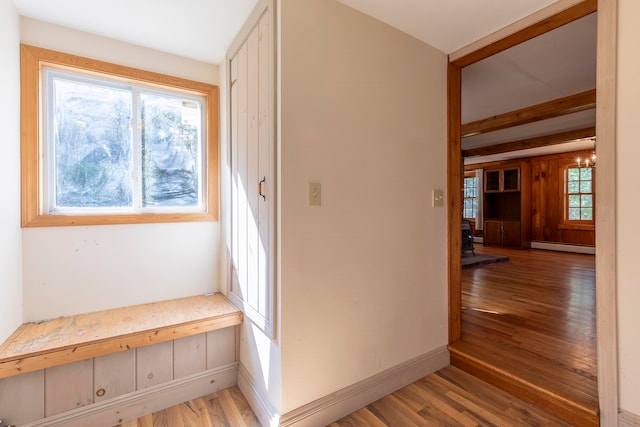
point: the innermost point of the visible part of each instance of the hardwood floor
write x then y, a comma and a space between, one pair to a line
226, 407
531, 322
449, 397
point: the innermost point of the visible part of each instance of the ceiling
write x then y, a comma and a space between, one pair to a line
556, 64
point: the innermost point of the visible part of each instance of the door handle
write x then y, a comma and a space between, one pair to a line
262, 181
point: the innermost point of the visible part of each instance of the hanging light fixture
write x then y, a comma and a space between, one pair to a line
589, 160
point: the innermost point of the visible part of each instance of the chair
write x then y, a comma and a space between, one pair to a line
467, 237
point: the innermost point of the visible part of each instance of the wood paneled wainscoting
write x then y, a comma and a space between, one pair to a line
529, 326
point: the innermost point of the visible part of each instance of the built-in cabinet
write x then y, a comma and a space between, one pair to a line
500, 180
506, 212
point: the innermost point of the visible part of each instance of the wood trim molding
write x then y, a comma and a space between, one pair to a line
139, 403
628, 419
606, 280
455, 172
547, 19
540, 141
257, 399
348, 400
546, 110
32, 59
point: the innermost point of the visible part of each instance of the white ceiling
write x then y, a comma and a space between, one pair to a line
448, 25
196, 29
203, 29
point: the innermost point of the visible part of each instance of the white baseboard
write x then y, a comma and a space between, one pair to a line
265, 412
328, 409
139, 403
562, 247
628, 419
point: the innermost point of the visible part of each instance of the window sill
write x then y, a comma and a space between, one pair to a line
583, 227
40, 345
85, 220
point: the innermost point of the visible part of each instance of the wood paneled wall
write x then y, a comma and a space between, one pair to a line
35, 395
547, 200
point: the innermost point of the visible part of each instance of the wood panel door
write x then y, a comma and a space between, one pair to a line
252, 174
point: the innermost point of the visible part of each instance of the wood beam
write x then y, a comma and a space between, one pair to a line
540, 141
547, 110
551, 23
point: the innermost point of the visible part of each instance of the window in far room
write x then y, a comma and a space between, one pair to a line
579, 195
470, 200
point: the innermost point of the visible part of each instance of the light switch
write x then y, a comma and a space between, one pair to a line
437, 198
315, 194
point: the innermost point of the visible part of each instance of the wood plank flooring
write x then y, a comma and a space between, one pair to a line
531, 321
449, 397
227, 407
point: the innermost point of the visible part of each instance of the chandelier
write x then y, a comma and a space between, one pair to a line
589, 159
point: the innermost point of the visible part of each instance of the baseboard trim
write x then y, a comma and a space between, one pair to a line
628, 419
348, 400
563, 247
265, 412
139, 403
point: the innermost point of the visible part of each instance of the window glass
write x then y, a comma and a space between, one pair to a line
99, 162
470, 202
579, 194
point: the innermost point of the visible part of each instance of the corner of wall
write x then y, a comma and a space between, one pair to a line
11, 243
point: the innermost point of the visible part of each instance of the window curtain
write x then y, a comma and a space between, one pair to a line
479, 216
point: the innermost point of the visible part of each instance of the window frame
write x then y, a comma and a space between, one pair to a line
32, 60
577, 223
464, 197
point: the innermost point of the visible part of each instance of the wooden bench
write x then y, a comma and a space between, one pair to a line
40, 345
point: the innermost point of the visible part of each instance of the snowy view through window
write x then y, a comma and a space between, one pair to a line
100, 162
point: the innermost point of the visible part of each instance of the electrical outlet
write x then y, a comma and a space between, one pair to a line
437, 198
315, 194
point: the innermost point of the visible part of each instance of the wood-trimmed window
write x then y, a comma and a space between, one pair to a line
579, 195
181, 114
471, 194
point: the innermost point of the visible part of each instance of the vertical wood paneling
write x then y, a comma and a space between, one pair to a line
68, 386
154, 364
265, 155
253, 164
189, 355
221, 347
22, 397
234, 112
240, 174
252, 168
114, 375
546, 204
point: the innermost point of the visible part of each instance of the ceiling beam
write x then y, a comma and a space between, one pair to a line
547, 110
577, 11
540, 141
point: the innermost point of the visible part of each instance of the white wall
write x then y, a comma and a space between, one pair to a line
628, 203
363, 278
71, 270
10, 240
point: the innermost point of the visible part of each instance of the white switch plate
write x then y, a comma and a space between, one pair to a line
437, 198
315, 194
